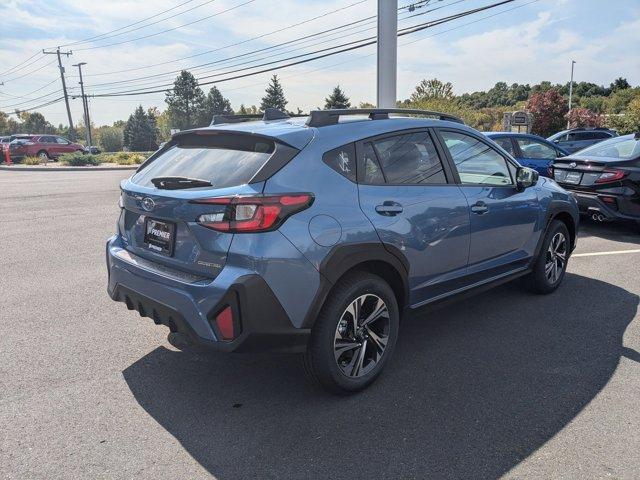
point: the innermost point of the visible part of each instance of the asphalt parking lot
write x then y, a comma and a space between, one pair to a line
504, 384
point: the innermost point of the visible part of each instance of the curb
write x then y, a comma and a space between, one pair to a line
66, 169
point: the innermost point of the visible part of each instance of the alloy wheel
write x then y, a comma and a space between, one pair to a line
361, 335
556, 258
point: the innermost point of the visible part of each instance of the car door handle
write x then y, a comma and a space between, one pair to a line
479, 208
389, 208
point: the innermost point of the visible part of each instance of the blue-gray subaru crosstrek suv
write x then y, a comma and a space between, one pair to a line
314, 236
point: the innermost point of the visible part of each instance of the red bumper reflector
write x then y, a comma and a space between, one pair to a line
224, 321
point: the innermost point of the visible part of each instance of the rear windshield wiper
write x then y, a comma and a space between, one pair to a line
176, 183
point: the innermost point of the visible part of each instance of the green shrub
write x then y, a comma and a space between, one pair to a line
79, 159
123, 158
31, 161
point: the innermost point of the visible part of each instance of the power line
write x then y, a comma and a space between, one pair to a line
20, 64
42, 105
169, 29
89, 39
348, 47
30, 72
324, 33
257, 37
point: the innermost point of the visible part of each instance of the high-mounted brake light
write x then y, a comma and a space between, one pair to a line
609, 176
250, 214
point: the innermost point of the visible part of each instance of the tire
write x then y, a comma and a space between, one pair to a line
545, 277
355, 367
43, 155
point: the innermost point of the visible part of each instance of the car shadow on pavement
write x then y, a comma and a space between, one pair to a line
613, 231
473, 389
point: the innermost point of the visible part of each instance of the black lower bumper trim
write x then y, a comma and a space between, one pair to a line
263, 323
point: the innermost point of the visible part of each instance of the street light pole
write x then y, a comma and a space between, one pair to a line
387, 53
573, 62
85, 107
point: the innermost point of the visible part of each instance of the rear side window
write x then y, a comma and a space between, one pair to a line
410, 159
533, 149
506, 144
342, 160
222, 160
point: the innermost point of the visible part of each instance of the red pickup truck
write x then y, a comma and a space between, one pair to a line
43, 146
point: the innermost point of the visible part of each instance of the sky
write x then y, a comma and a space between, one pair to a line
123, 41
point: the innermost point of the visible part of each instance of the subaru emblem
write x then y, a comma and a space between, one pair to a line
573, 164
148, 204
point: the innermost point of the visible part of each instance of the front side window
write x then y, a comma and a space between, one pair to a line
477, 162
62, 141
534, 149
411, 159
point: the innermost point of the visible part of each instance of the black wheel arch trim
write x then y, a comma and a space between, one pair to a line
344, 258
554, 210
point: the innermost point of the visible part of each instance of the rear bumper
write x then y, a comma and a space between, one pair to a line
623, 209
189, 306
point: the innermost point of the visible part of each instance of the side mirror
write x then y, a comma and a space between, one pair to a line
526, 177
557, 140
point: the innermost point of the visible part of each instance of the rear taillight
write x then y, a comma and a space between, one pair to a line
250, 214
610, 176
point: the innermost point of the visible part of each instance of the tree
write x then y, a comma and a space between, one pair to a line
583, 117
185, 103
110, 139
274, 97
619, 84
34, 123
337, 99
548, 109
140, 132
215, 104
432, 89
629, 122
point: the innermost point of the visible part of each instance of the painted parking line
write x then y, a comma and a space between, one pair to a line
595, 254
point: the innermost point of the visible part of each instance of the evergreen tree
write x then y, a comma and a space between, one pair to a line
274, 97
140, 132
186, 103
215, 104
337, 99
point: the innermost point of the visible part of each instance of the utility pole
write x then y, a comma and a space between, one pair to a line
72, 133
387, 53
85, 106
573, 62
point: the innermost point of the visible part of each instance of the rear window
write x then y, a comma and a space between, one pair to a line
618, 147
223, 160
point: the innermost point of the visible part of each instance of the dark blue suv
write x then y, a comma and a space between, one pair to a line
314, 236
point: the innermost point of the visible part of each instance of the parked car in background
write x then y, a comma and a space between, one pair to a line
92, 149
42, 146
576, 139
312, 237
604, 178
529, 150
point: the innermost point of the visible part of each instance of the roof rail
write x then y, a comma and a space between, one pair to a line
323, 118
269, 114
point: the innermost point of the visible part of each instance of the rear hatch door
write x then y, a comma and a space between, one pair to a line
158, 219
